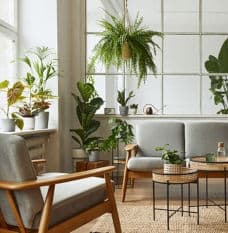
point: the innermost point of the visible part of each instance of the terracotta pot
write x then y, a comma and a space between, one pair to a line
126, 51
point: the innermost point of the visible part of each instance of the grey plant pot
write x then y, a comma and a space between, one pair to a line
123, 110
41, 120
7, 125
94, 156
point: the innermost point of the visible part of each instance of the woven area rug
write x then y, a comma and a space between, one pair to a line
136, 217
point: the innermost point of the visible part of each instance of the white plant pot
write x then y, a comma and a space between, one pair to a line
79, 153
29, 123
94, 156
7, 125
41, 120
132, 111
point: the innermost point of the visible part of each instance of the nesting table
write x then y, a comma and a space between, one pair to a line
185, 176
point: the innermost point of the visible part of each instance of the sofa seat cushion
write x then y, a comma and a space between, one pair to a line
73, 197
144, 164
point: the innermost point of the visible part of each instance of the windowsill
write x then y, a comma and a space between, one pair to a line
31, 132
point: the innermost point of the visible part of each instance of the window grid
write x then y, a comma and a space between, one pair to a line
200, 34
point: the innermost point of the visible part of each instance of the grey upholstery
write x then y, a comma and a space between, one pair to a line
202, 137
69, 198
144, 164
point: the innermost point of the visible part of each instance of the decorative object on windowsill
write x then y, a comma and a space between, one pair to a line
172, 160
126, 44
219, 81
42, 66
109, 111
149, 109
221, 152
122, 100
13, 96
87, 103
133, 109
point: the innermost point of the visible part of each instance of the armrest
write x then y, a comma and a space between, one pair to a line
38, 161
131, 147
52, 181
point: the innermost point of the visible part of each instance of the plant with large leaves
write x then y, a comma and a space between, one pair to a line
87, 103
219, 83
132, 45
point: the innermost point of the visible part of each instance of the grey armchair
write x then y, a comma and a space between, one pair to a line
56, 204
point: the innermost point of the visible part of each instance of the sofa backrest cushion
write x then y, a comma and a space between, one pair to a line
15, 165
151, 134
202, 137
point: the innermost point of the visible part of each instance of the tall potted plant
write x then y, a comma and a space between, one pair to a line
125, 44
13, 96
42, 66
87, 103
123, 100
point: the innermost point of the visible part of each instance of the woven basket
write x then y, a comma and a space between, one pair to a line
172, 168
126, 51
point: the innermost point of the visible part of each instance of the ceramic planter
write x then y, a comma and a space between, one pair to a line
132, 111
123, 110
41, 120
7, 125
29, 123
94, 156
78, 153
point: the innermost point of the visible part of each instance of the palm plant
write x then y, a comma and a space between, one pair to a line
132, 45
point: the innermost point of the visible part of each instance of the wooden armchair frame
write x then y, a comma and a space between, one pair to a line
108, 206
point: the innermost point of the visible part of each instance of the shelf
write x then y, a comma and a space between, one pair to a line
31, 132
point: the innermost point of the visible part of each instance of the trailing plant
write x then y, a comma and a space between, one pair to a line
13, 96
42, 66
124, 44
219, 82
169, 156
122, 100
87, 103
134, 106
121, 131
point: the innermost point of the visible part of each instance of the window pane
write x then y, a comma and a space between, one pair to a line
148, 93
215, 16
181, 54
181, 15
7, 55
7, 11
181, 95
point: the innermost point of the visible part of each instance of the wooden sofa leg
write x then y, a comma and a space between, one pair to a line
132, 182
124, 185
112, 201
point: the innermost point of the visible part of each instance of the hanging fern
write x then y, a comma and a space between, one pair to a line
116, 36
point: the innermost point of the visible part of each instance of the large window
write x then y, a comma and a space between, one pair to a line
193, 30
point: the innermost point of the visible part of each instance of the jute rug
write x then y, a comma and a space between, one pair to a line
136, 217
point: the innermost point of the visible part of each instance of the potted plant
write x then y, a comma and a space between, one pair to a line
124, 44
123, 108
93, 148
172, 160
219, 83
13, 96
87, 103
133, 109
42, 66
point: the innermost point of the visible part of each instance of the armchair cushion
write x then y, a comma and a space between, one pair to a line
144, 164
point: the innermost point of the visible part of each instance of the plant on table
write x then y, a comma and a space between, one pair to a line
123, 100
219, 82
14, 94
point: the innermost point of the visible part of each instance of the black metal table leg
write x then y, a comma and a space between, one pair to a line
167, 205
206, 189
225, 194
153, 183
182, 210
189, 198
198, 201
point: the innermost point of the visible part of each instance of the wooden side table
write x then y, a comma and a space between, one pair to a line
87, 165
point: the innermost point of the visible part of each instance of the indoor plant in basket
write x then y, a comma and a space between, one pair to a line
42, 66
13, 96
126, 44
122, 100
87, 103
172, 160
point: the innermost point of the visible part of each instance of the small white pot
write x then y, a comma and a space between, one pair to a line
41, 120
79, 153
29, 123
7, 125
132, 111
94, 156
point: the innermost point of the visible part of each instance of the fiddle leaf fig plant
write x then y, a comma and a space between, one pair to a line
14, 94
219, 83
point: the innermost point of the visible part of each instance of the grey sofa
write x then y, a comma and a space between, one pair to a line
190, 138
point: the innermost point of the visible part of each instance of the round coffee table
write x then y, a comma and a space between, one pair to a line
208, 165
186, 176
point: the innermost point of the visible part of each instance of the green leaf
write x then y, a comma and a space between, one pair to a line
4, 84
86, 90
223, 57
18, 121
